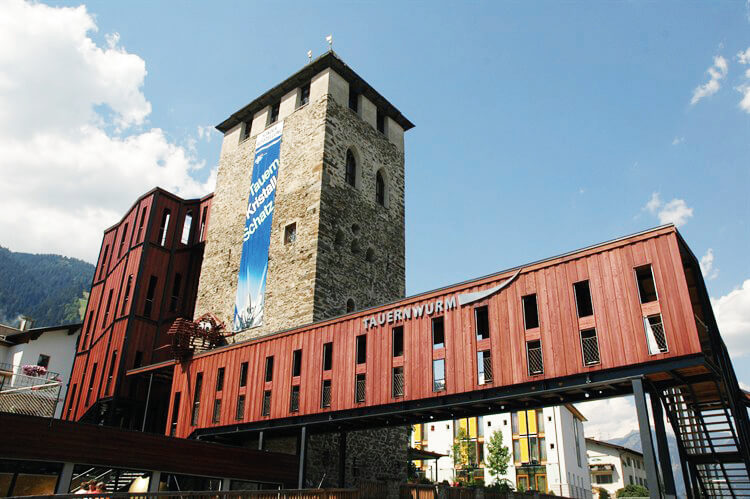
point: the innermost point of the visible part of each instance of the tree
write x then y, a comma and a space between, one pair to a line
464, 457
603, 494
498, 455
632, 491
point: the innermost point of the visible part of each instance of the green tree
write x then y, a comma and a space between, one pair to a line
632, 491
498, 455
603, 494
464, 457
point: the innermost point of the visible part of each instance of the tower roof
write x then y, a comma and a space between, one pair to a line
327, 60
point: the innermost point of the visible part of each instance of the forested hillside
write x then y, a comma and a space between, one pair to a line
51, 289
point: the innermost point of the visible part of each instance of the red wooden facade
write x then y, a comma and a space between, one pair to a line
618, 319
123, 314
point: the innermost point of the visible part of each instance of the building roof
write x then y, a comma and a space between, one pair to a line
614, 446
325, 61
14, 336
576, 413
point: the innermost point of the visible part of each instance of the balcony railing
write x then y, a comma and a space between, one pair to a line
398, 384
590, 348
360, 390
30, 395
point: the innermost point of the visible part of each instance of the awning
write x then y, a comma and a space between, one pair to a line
422, 455
602, 467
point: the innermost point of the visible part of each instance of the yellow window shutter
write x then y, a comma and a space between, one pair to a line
522, 423
524, 449
531, 417
473, 427
417, 432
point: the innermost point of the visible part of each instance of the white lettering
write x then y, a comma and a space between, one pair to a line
389, 315
397, 315
429, 308
418, 311
381, 318
438, 306
450, 303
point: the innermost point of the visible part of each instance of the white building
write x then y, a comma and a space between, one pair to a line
50, 347
613, 466
548, 450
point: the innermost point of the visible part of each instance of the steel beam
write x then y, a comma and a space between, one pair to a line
302, 448
665, 463
647, 445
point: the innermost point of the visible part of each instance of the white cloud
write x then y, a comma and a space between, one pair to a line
733, 316
206, 132
744, 58
678, 140
609, 418
707, 265
675, 211
75, 149
717, 72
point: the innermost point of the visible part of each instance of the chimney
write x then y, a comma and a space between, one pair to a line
25, 322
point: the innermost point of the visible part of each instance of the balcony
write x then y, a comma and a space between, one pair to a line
29, 390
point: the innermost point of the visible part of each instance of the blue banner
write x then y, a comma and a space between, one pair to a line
251, 280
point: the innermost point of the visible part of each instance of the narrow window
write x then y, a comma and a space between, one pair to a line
438, 375
589, 347
106, 310
438, 333
398, 341
149, 305
482, 322
175, 414
296, 363
164, 227
351, 169
217, 411
274, 117
186, 226
381, 121
196, 399
327, 356
397, 382
290, 233
88, 328
534, 357
140, 225
122, 239
104, 261
655, 337
111, 371
91, 383
361, 349
304, 94
203, 223
380, 189
360, 388
350, 306
175, 298
138, 359
220, 379
325, 396
72, 400
646, 287
243, 374
125, 298
484, 367
583, 299
240, 413
353, 100
246, 127
530, 312
294, 399
269, 369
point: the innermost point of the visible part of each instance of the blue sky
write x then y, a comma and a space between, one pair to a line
540, 127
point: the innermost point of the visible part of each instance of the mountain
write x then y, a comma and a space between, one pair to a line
633, 441
51, 289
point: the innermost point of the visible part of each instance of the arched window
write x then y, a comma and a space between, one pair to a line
349, 305
380, 188
351, 169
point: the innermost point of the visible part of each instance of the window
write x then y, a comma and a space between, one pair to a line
655, 336
325, 396
274, 116
350, 305
140, 224
91, 383
269, 369
397, 383
438, 333
589, 347
220, 379
398, 341
243, 374
304, 94
43, 360
266, 409
578, 442
203, 222
217, 411
246, 127
296, 363
361, 349
175, 414
138, 359
125, 299
72, 400
540, 421
646, 286
164, 227
88, 326
104, 262
240, 413
294, 399
484, 367
112, 363
290, 233
530, 312
353, 100
175, 298
351, 169
327, 356
482, 323
122, 240
438, 375
380, 188
534, 357
186, 226
583, 299
149, 305
106, 310
380, 121
360, 388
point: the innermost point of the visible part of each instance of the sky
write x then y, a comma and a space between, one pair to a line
540, 127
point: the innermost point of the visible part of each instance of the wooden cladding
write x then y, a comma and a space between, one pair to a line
569, 315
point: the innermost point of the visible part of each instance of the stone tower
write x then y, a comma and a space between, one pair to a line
337, 226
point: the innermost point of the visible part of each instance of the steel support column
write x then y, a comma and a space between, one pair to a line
342, 459
302, 450
148, 399
66, 476
260, 440
647, 444
665, 463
